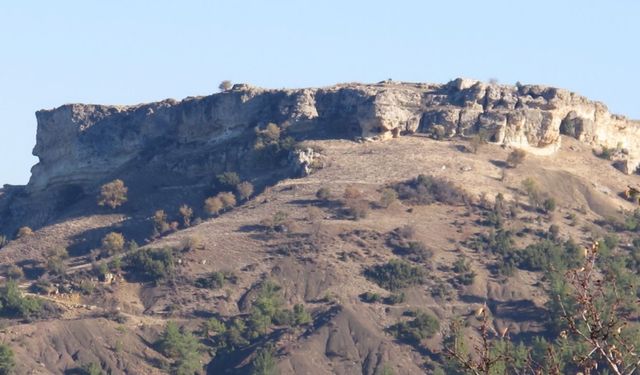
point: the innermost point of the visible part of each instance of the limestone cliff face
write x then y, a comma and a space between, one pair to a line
83, 144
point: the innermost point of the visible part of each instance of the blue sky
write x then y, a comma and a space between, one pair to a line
126, 52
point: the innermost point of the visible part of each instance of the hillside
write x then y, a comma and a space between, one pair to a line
297, 269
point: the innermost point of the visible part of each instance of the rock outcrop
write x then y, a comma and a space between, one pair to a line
82, 144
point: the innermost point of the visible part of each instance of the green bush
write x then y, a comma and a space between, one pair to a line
14, 305
152, 264
264, 363
90, 369
182, 347
265, 307
395, 298
370, 297
395, 274
465, 275
112, 243
423, 326
7, 360
214, 280
424, 190
416, 251
227, 180
300, 315
543, 255
271, 147
14, 272
549, 205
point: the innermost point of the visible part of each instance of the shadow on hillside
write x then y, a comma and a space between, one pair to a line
132, 229
517, 311
237, 362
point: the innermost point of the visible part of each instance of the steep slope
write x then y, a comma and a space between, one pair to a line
325, 273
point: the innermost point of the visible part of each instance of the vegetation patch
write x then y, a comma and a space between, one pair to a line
424, 190
423, 326
396, 274
151, 264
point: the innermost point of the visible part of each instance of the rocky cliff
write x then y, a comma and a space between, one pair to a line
82, 144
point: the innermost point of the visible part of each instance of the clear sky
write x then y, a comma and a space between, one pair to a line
126, 52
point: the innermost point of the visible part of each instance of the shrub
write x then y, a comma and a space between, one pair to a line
271, 147
533, 192
465, 275
14, 304
87, 287
101, 269
24, 232
549, 205
213, 327
7, 360
3, 241
415, 251
272, 132
395, 274
152, 264
55, 260
357, 208
213, 205
300, 315
264, 363
395, 298
323, 194
423, 326
278, 223
543, 255
244, 190
214, 280
113, 243
370, 297
56, 266
428, 189
14, 272
225, 85
192, 243
90, 369
160, 224
187, 213
516, 157
182, 347
113, 194
228, 200
228, 180
388, 196
264, 309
